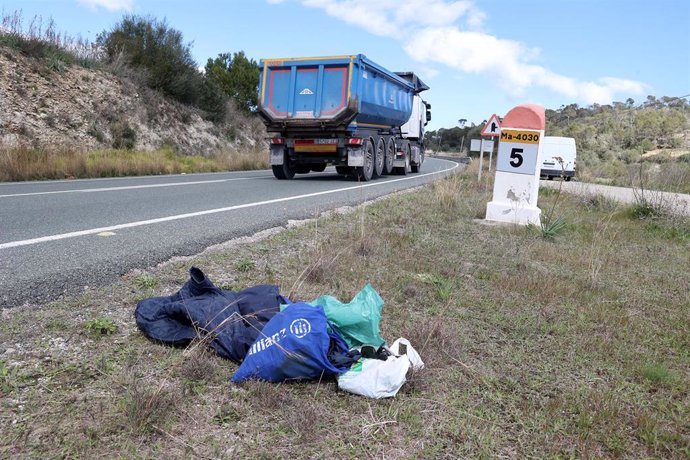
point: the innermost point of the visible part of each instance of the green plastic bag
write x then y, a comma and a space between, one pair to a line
357, 321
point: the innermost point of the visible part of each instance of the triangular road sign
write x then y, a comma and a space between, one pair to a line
492, 127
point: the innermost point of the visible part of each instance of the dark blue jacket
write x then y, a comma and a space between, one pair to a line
234, 319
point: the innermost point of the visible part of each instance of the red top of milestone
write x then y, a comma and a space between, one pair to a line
525, 116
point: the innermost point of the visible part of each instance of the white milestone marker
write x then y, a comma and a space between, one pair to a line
516, 187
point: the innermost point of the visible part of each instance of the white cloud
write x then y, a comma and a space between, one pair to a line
397, 18
110, 5
449, 33
507, 63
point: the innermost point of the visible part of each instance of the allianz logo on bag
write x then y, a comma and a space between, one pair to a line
299, 328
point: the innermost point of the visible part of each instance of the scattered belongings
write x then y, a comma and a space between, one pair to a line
297, 343
382, 378
358, 320
234, 319
276, 340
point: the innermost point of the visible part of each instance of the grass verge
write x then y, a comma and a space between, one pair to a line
672, 175
573, 346
22, 164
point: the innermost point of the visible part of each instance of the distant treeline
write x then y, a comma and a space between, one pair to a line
619, 131
144, 49
622, 131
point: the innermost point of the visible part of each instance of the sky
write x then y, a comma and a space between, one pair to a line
479, 57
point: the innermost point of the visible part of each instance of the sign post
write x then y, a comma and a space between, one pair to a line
516, 187
492, 128
481, 159
491, 159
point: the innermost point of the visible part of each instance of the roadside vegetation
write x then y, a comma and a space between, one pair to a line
22, 164
616, 143
153, 57
571, 344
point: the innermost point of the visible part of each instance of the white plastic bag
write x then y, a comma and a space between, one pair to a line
376, 379
411, 353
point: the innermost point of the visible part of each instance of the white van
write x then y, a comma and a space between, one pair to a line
554, 148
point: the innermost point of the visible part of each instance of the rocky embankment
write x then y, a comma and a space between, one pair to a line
50, 105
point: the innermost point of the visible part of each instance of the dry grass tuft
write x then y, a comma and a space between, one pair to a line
434, 339
365, 246
147, 406
19, 164
198, 364
448, 193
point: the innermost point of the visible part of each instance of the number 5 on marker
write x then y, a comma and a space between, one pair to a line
516, 158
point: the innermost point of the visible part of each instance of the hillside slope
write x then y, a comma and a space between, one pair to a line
47, 105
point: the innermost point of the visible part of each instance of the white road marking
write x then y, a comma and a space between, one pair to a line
128, 187
112, 228
129, 178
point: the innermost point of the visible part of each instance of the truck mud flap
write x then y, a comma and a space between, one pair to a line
277, 155
355, 157
401, 163
416, 155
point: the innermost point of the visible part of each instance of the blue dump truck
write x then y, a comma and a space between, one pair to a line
345, 111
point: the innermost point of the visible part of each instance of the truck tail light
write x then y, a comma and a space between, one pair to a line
277, 141
355, 141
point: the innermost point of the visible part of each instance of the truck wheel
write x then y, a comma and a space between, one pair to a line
343, 170
283, 171
366, 172
390, 156
380, 158
567, 178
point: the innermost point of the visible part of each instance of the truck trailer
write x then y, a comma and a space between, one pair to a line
345, 111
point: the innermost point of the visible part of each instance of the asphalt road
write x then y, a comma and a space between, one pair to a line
677, 203
59, 237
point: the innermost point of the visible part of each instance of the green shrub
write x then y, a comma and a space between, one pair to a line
245, 265
124, 136
646, 145
552, 227
658, 374
643, 210
685, 158
7, 375
236, 76
101, 326
212, 101
96, 133
152, 45
159, 52
630, 156
145, 281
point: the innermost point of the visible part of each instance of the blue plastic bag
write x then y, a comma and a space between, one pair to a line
294, 344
